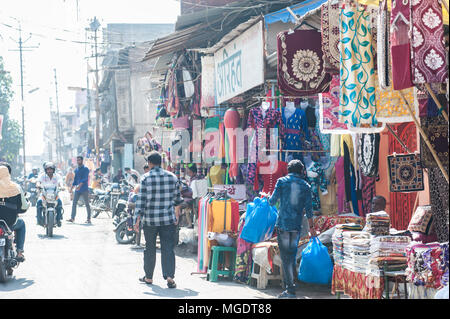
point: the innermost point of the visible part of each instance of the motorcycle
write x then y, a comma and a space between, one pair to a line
8, 259
49, 203
125, 224
32, 190
107, 200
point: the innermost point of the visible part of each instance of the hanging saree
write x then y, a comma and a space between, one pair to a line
357, 81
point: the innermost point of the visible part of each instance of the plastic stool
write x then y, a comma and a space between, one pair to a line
262, 277
213, 268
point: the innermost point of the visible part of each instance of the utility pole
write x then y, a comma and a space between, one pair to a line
58, 123
21, 49
94, 25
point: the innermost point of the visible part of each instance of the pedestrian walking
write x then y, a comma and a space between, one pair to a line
81, 190
295, 197
158, 206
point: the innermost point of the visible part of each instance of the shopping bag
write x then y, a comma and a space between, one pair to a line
260, 219
316, 266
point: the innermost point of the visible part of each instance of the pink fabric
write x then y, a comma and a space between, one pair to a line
400, 45
231, 121
340, 180
429, 60
329, 109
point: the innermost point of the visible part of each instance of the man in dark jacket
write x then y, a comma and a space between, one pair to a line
12, 203
82, 190
295, 200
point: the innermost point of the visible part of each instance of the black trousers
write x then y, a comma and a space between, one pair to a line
167, 241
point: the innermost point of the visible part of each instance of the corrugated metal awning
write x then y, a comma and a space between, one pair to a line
300, 10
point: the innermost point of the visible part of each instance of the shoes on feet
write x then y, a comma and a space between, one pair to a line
286, 295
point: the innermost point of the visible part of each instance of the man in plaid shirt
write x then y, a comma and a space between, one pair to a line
158, 206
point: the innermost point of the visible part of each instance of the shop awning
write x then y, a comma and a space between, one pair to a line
299, 9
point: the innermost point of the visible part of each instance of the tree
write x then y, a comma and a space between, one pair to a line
11, 141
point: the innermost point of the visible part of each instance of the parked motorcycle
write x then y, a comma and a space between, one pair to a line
49, 203
125, 226
106, 200
8, 259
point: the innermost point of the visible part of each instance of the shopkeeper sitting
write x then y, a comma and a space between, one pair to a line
295, 198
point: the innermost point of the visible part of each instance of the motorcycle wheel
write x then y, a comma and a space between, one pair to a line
3, 274
122, 236
96, 213
50, 223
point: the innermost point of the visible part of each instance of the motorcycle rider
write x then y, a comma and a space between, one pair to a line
33, 174
49, 179
12, 203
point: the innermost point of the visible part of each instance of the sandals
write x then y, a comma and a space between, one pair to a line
171, 284
145, 281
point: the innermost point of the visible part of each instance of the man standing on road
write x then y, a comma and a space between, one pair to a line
295, 199
81, 190
158, 205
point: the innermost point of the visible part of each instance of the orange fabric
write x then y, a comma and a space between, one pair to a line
216, 216
356, 285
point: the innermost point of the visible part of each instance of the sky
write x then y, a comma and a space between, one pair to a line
49, 20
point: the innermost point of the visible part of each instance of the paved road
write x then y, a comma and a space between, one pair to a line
85, 261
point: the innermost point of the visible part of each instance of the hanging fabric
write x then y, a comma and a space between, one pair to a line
391, 107
439, 203
383, 56
357, 104
329, 109
401, 44
231, 122
429, 62
330, 35
368, 153
296, 133
436, 129
301, 69
405, 173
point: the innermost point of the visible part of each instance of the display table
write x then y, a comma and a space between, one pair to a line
356, 285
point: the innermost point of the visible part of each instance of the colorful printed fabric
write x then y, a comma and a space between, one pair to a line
329, 109
368, 193
330, 36
391, 107
356, 285
323, 223
368, 151
421, 220
436, 129
439, 203
383, 56
357, 82
243, 256
296, 129
300, 64
428, 51
400, 45
405, 173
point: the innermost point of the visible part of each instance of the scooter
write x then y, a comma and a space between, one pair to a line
8, 259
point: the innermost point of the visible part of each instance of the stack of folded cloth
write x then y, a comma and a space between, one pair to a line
338, 240
356, 251
378, 224
389, 251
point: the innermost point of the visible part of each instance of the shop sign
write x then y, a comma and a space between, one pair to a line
239, 66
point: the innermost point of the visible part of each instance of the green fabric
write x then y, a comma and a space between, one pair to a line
212, 124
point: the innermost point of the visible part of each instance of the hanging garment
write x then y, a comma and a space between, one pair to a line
218, 216
368, 152
329, 109
383, 48
269, 175
335, 145
296, 133
391, 107
301, 69
350, 176
348, 140
258, 120
330, 36
400, 45
405, 173
328, 200
436, 129
429, 108
243, 266
439, 203
231, 122
216, 175
357, 82
318, 184
429, 62
340, 181
311, 116
368, 193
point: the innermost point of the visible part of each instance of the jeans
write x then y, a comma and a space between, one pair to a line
167, 241
76, 197
288, 242
39, 211
19, 228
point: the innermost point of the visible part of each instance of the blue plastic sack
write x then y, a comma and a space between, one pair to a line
316, 266
260, 220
